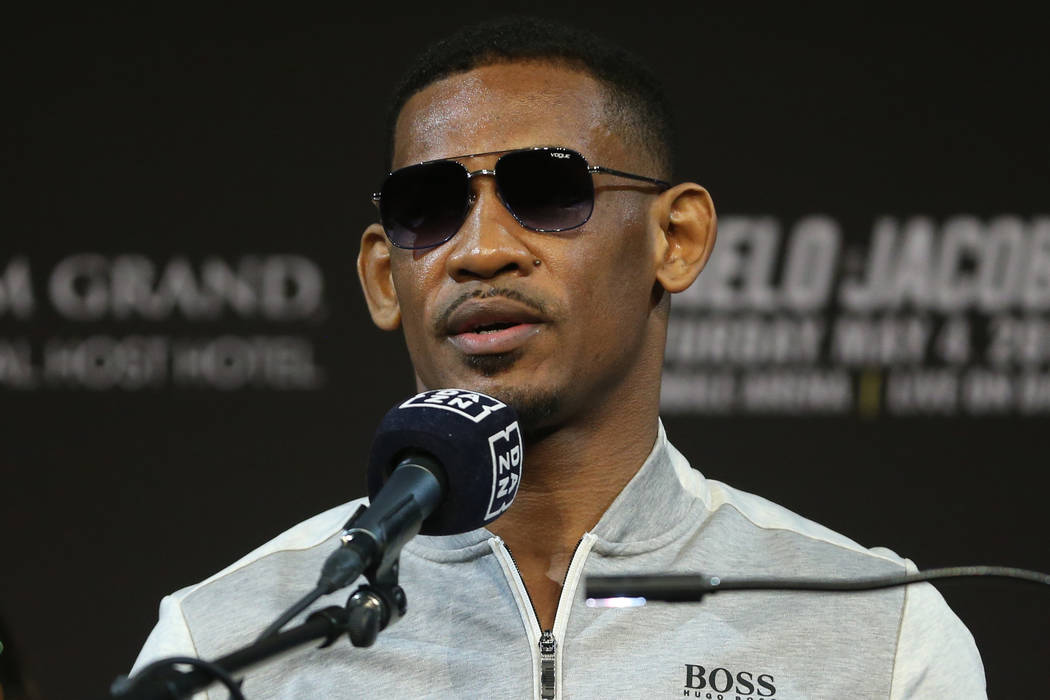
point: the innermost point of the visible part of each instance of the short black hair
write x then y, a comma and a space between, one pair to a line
637, 101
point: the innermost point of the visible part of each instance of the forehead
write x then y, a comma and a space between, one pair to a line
504, 106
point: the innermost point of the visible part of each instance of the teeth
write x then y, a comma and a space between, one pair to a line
493, 327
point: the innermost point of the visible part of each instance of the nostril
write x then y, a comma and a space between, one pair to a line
473, 270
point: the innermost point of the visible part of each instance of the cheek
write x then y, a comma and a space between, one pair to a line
626, 257
610, 290
412, 279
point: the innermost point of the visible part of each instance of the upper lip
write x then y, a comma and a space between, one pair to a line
475, 313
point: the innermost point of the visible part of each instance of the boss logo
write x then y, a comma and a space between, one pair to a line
722, 684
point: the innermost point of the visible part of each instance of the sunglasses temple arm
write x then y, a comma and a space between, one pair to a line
632, 176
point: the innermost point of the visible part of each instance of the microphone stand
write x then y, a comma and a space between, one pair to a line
370, 609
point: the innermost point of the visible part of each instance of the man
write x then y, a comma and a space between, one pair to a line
509, 275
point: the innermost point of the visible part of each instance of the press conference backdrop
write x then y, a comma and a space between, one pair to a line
187, 367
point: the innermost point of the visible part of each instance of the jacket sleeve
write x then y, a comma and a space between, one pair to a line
170, 637
936, 655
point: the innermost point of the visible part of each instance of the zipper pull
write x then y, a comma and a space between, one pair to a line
548, 647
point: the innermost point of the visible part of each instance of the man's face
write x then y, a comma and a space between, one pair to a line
556, 338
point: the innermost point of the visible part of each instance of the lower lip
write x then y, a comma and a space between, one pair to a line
494, 342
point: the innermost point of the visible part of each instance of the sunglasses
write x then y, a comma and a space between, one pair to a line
546, 189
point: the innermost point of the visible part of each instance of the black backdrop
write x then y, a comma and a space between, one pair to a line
240, 137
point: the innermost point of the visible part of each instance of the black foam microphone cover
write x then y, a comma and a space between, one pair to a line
476, 440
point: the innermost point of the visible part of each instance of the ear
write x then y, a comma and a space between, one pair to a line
373, 269
683, 221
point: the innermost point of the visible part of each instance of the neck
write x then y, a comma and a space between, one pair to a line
571, 477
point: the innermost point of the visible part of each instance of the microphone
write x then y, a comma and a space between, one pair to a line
443, 462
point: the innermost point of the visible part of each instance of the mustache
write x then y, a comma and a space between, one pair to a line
441, 322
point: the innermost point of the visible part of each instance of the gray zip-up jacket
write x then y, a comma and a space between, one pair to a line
471, 631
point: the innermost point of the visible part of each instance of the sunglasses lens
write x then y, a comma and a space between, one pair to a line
546, 189
424, 205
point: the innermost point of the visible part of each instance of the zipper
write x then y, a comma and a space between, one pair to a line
548, 661
548, 643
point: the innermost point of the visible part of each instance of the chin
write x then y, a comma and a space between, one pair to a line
537, 408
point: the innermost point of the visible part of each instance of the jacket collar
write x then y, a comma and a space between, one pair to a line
665, 497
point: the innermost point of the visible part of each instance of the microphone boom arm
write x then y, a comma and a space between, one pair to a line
373, 607
691, 588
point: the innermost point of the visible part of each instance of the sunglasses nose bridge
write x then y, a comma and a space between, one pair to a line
472, 188
486, 206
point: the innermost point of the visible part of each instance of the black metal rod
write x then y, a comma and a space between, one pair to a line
327, 624
676, 588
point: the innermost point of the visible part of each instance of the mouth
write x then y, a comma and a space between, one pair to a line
492, 326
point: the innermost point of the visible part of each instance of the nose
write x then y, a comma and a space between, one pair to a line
489, 243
